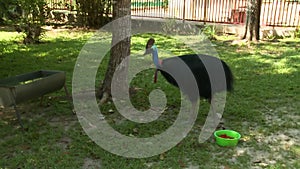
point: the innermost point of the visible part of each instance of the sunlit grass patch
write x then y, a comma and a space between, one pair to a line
263, 106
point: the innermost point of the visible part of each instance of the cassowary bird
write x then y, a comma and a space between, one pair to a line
205, 70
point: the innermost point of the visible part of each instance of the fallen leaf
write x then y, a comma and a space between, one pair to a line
135, 130
162, 156
25, 147
226, 167
181, 163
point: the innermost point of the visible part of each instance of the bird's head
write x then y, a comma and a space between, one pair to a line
152, 49
150, 46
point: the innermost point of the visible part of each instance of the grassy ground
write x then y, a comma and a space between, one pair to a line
264, 108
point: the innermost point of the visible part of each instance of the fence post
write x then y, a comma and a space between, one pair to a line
183, 17
205, 10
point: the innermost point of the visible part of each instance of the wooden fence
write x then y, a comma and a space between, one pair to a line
273, 12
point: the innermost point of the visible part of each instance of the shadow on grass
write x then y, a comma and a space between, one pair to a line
57, 54
266, 78
7, 29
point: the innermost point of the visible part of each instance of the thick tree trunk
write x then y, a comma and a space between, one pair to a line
120, 46
252, 26
257, 24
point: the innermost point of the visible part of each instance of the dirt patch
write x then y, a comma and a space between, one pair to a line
65, 122
64, 142
91, 163
276, 141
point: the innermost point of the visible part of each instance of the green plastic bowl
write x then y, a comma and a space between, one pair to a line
233, 141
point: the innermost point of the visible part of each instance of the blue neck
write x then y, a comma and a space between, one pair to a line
155, 56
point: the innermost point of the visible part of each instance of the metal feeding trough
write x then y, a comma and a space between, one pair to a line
20, 88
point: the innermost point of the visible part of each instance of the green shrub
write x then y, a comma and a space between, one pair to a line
31, 21
9, 11
210, 32
297, 32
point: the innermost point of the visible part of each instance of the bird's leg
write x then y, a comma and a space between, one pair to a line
209, 100
217, 106
213, 118
155, 76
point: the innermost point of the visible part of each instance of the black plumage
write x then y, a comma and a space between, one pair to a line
206, 70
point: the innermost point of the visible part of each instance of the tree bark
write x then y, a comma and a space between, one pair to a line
257, 24
120, 46
252, 26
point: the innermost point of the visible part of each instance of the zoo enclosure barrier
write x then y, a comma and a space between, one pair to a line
273, 12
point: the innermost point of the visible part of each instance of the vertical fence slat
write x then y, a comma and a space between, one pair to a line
297, 22
287, 15
218, 7
275, 5
221, 12
273, 12
263, 10
228, 11
295, 15
292, 16
214, 9
282, 13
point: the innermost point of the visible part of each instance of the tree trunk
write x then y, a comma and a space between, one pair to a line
257, 24
120, 46
252, 26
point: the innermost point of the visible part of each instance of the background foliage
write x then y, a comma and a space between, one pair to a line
93, 13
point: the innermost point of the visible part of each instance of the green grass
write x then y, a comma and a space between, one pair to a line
264, 108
